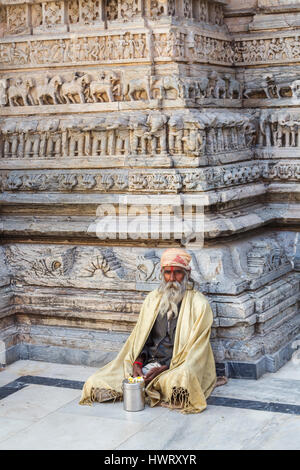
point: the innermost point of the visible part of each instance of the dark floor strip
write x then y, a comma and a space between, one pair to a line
26, 380
6, 391
50, 381
255, 405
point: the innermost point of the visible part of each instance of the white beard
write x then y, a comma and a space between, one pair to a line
172, 294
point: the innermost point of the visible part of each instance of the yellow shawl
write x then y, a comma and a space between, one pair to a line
192, 374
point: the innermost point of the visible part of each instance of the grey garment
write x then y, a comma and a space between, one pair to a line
150, 366
160, 342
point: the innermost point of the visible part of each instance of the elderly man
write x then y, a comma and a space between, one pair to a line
169, 345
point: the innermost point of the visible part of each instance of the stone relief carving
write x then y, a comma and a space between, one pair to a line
53, 13
69, 50
109, 86
151, 133
107, 263
268, 86
281, 171
49, 264
262, 50
264, 258
148, 267
19, 93
147, 180
48, 15
279, 128
140, 142
123, 10
17, 19
174, 44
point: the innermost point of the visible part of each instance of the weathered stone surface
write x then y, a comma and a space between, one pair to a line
130, 106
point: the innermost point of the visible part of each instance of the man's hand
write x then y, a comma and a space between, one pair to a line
137, 368
153, 373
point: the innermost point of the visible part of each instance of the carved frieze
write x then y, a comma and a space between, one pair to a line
283, 171
267, 49
173, 44
113, 85
264, 258
279, 128
267, 86
148, 268
152, 133
112, 47
51, 14
134, 180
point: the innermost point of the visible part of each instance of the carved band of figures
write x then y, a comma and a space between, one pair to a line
281, 171
133, 180
70, 50
109, 86
279, 129
117, 47
128, 134
268, 86
58, 15
264, 50
158, 180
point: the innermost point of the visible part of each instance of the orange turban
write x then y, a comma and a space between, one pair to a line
175, 257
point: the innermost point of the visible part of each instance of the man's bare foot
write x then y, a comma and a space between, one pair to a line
221, 381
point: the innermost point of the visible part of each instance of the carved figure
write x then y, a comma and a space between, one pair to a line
70, 90
105, 85
157, 133
20, 90
169, 82
50, 90
267, 84
176, 134
202, 87
3, 94
295, 87
265, 130
194, 141
138, 128
234, 88
10, 138
135, 87
219, 87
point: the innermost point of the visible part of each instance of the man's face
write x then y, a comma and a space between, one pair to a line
173, 273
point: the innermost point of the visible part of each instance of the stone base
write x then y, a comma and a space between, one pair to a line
96, 348
255, 369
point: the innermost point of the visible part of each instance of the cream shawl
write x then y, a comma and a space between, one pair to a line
192, 374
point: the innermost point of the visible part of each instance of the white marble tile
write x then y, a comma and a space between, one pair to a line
115, 410
282, 432
47, 369
7, 375
72, 432
291, 370
265, 389
9, 427
215, 428
35, 401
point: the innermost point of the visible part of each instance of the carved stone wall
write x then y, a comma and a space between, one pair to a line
145, 108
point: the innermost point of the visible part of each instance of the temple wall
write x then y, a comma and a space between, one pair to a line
142, 108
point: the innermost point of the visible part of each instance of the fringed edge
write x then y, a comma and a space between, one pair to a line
179, 399
101, 395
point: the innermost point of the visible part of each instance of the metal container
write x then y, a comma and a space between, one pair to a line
133, 396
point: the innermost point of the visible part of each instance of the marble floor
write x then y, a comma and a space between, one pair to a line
39, 410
